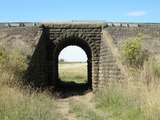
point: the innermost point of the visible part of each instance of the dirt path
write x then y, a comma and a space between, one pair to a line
63, 105
64, 109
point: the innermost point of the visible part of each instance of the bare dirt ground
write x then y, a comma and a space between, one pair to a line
64, 104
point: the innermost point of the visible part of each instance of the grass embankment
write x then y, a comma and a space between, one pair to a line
17, 103
137, 98
133, 99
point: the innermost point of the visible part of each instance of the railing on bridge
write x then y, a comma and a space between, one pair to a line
104, 23
18, 24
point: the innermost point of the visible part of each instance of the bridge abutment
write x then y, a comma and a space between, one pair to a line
47, 40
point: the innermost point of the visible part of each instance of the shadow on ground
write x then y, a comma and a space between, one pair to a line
69, 89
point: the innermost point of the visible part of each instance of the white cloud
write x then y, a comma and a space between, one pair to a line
137, 13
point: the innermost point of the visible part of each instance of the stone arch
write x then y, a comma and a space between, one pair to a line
42, 70
83, 42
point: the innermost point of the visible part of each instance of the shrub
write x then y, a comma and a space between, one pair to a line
61, 60
3, 56
156, 66
151, 71
17, 62
132, 52
12, 66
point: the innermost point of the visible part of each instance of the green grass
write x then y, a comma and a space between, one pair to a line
76, 72
119, 105
83, 112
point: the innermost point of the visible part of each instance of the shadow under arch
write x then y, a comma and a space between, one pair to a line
71, 87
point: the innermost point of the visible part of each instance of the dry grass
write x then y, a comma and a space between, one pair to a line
17, 103
137, 98
76, 72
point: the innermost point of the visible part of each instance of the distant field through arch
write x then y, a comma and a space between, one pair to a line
72, 65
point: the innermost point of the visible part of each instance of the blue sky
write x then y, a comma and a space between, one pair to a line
108, 10
66, 10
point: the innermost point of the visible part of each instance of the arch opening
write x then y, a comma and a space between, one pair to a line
82, 84
72, 65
